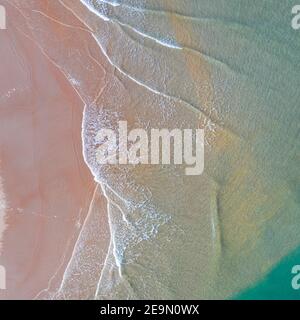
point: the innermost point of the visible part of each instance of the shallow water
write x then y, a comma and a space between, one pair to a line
229, 67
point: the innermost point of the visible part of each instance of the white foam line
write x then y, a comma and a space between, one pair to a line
135, 80
165, 44
116, 205
91, 8
77, 242
114, 4
105, 18
111, 244
191, 107
47, 290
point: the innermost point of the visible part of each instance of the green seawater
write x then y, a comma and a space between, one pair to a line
252, 56
239, 65
277, 284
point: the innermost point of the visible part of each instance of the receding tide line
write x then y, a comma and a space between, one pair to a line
144, 35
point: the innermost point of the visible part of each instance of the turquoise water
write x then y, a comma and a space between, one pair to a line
277, 284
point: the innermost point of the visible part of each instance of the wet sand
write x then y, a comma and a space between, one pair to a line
46, 184
174, 236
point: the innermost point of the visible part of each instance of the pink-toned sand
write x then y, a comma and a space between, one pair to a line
46, 184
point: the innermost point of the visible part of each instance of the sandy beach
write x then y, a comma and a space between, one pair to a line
46, 185
78, 229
